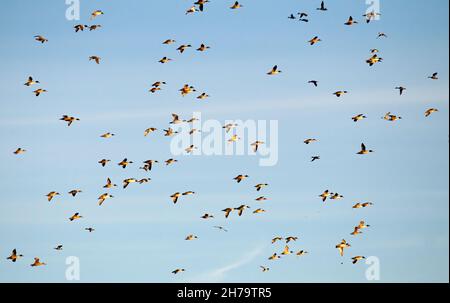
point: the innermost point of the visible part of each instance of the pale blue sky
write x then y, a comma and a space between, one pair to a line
140, 233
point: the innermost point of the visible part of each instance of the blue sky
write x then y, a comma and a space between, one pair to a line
140, 233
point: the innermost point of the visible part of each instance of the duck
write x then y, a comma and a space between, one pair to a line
150, 130
287, 251
169, 132
275, 256
109, 184
203, 47
259, 211
189, 193
364, 150
314, 82
191, 238
14, 256
170, 162
39, 91
103, 162
76, 216
264, 269
363, 225
227, 212
391, 118
229, 127
94, 27
357, 259
75, 192
322, 7
59, 247
274, 71
201, 4
41, 39
302, 253
350, 21
309, 141
207, 216
169, 41
359, 117
291, 239
183, 47
340, 93
434, 76
97, 59
315, 158
241, 209
371, 16
127, 182
373, 60
145, 180
153, 90
382, 35
178, 271
262, 198
221, 228
256, 145
31, 82
176, 119
96, 13
203, 96
356, 231
187, 89
326, 194
89, 229
69, 120
336, 197
431, 111
20, 151
79, 27
240, 178
276, 239
261, 186
401, 89
37, 263
314, 40
234, 139
165, 60
124, 163
103, 198
107, 135
149, 163
175, 197
191, 10
236, 5
51, 195
342, 246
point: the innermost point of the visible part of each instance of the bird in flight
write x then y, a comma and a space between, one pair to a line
39, 91
69, 119
342, 246
96, 13
401, 89
314, 82
357, 259
20, 151
76, 216
240, 178
31, 82
364, 150
431, 111
236, 5
51, 195
14, 256
103, 198
37, 263
75, 192
97, 59
315, 158
314, 40
434, 76
350, 21
274, 71
41, 39
322, 7
359, 117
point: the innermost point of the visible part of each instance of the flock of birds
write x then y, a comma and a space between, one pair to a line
198, 7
